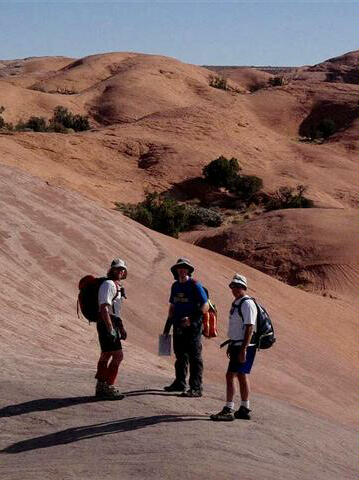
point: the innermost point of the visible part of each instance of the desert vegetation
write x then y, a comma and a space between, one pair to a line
277, 81
323, 129
218, 82
166, 215
287, 197
61, 90
222, 172
62, 121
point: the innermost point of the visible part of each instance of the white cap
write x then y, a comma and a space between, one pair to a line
238, 280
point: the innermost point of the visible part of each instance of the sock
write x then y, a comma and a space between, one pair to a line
245, 403
230, 405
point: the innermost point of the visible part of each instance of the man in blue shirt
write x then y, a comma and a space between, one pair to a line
188, 302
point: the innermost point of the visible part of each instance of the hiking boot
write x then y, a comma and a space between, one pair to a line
112, 393
100, 389
192, 393
242, 413
225, 415
174, 387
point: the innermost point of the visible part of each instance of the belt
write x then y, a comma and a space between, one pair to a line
234, 343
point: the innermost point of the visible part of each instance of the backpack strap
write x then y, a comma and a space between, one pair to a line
239, 305
118, 290
240, 311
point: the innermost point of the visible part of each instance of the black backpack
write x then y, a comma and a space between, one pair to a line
264, 336
87, 300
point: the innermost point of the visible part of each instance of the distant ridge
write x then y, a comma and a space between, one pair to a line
264, 68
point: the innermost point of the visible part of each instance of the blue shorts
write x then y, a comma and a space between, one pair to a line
234, 366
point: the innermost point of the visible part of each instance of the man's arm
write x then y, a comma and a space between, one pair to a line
105, 315
169, 320
202, 297
246, 341
249, 313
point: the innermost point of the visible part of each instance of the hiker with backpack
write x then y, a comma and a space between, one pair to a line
110, 330
188, 302
241, 350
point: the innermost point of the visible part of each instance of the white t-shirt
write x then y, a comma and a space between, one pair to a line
106, 294
237, 323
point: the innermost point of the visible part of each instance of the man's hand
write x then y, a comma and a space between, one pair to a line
185, 322
112, 333
242, 355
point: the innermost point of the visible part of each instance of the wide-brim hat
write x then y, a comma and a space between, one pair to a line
238, 281
182, 263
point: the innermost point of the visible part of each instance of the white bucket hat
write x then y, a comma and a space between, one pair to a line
238, 281
118, 263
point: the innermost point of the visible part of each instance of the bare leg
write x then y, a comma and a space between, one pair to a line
112, 369
244, 386
101, 374
230, 386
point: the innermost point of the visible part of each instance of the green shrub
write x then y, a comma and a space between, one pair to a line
37, 124
326, 128
218, 82
33, 124
57, 127
322, 130
287, 197
63, 117
245, 186
9, 126
20, 126
38, 87
167, 216
62, 121
164, 215
276, 81
257, 86
80, 123
2, 121
203, 216
221, 172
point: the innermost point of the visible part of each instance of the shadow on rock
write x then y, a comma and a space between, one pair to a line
149, 391
44, 404
91, 431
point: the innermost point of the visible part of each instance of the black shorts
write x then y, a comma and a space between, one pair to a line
108, 343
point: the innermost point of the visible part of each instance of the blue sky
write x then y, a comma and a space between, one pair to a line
288, 32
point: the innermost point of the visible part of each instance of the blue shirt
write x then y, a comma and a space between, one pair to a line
186, 298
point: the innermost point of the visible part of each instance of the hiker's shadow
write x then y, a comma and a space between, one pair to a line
91, 431
44, 404
150, 391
